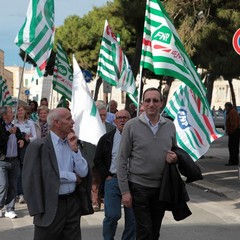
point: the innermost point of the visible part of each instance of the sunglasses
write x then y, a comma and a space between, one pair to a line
122, 117
154, 100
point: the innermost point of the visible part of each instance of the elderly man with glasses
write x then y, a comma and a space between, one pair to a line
105, 162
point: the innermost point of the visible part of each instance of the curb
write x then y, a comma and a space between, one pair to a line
222, 191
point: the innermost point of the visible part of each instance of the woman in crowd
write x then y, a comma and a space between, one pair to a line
41, 125
28, 131
33, 105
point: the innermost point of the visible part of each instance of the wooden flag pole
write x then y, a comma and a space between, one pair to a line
19, 89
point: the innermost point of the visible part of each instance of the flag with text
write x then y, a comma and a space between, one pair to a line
194, 124
163, 52
62, 74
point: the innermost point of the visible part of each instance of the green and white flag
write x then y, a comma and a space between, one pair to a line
163, 52
62, 102
113, 65
63, 74
88, 124
37, 33
5, 97
195, 129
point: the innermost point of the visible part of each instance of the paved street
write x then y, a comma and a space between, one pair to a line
215, 203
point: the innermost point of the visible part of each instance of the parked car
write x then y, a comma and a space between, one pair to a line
219, 119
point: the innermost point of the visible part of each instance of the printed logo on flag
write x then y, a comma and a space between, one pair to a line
162, 34
62, 70
183, 119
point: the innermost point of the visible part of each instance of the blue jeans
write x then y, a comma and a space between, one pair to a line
8, 183
112, 209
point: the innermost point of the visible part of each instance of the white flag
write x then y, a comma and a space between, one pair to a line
88, 124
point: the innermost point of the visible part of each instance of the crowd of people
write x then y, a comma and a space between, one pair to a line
42, 163
16, 132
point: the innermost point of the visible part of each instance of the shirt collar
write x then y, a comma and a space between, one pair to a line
55, 138
149, 122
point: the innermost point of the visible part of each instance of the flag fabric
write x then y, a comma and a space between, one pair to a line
36, 36
88, 125
62, 102
163, 52
5, 97
113, 64
63, 74
35, 76
195, 128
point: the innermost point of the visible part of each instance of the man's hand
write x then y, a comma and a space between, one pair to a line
171, 157
13, 130
21, 143
79, 179
127, 199
72, 141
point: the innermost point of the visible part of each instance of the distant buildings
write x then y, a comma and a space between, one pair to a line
35, 88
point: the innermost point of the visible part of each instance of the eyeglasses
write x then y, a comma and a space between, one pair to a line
122, 117
154, 100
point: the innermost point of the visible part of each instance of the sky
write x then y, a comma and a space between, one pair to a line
13, 13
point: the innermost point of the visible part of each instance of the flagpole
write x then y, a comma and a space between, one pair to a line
20, 86
51, 97
139, 89
19, 89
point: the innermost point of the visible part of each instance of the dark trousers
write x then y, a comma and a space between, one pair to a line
19, 181
66, 224
233, 146
147, 210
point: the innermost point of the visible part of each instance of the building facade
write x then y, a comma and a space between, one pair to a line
34, 87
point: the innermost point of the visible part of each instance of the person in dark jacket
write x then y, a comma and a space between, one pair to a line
105, 163
232, 130
10, 142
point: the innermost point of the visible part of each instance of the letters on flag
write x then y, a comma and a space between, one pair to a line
63, 74
163, 52
194, 124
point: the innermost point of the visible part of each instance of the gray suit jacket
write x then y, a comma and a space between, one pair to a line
41, 181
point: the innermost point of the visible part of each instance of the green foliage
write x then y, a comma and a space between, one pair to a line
206, 29
82, 36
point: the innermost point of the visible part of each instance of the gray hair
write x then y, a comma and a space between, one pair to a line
45, 108
122, 110
113, 101
100, 105
54, 114
3, 110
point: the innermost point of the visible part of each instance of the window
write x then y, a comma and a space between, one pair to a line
26, 82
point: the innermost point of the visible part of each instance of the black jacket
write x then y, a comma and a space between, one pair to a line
4, 135
103, 155
173, 193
